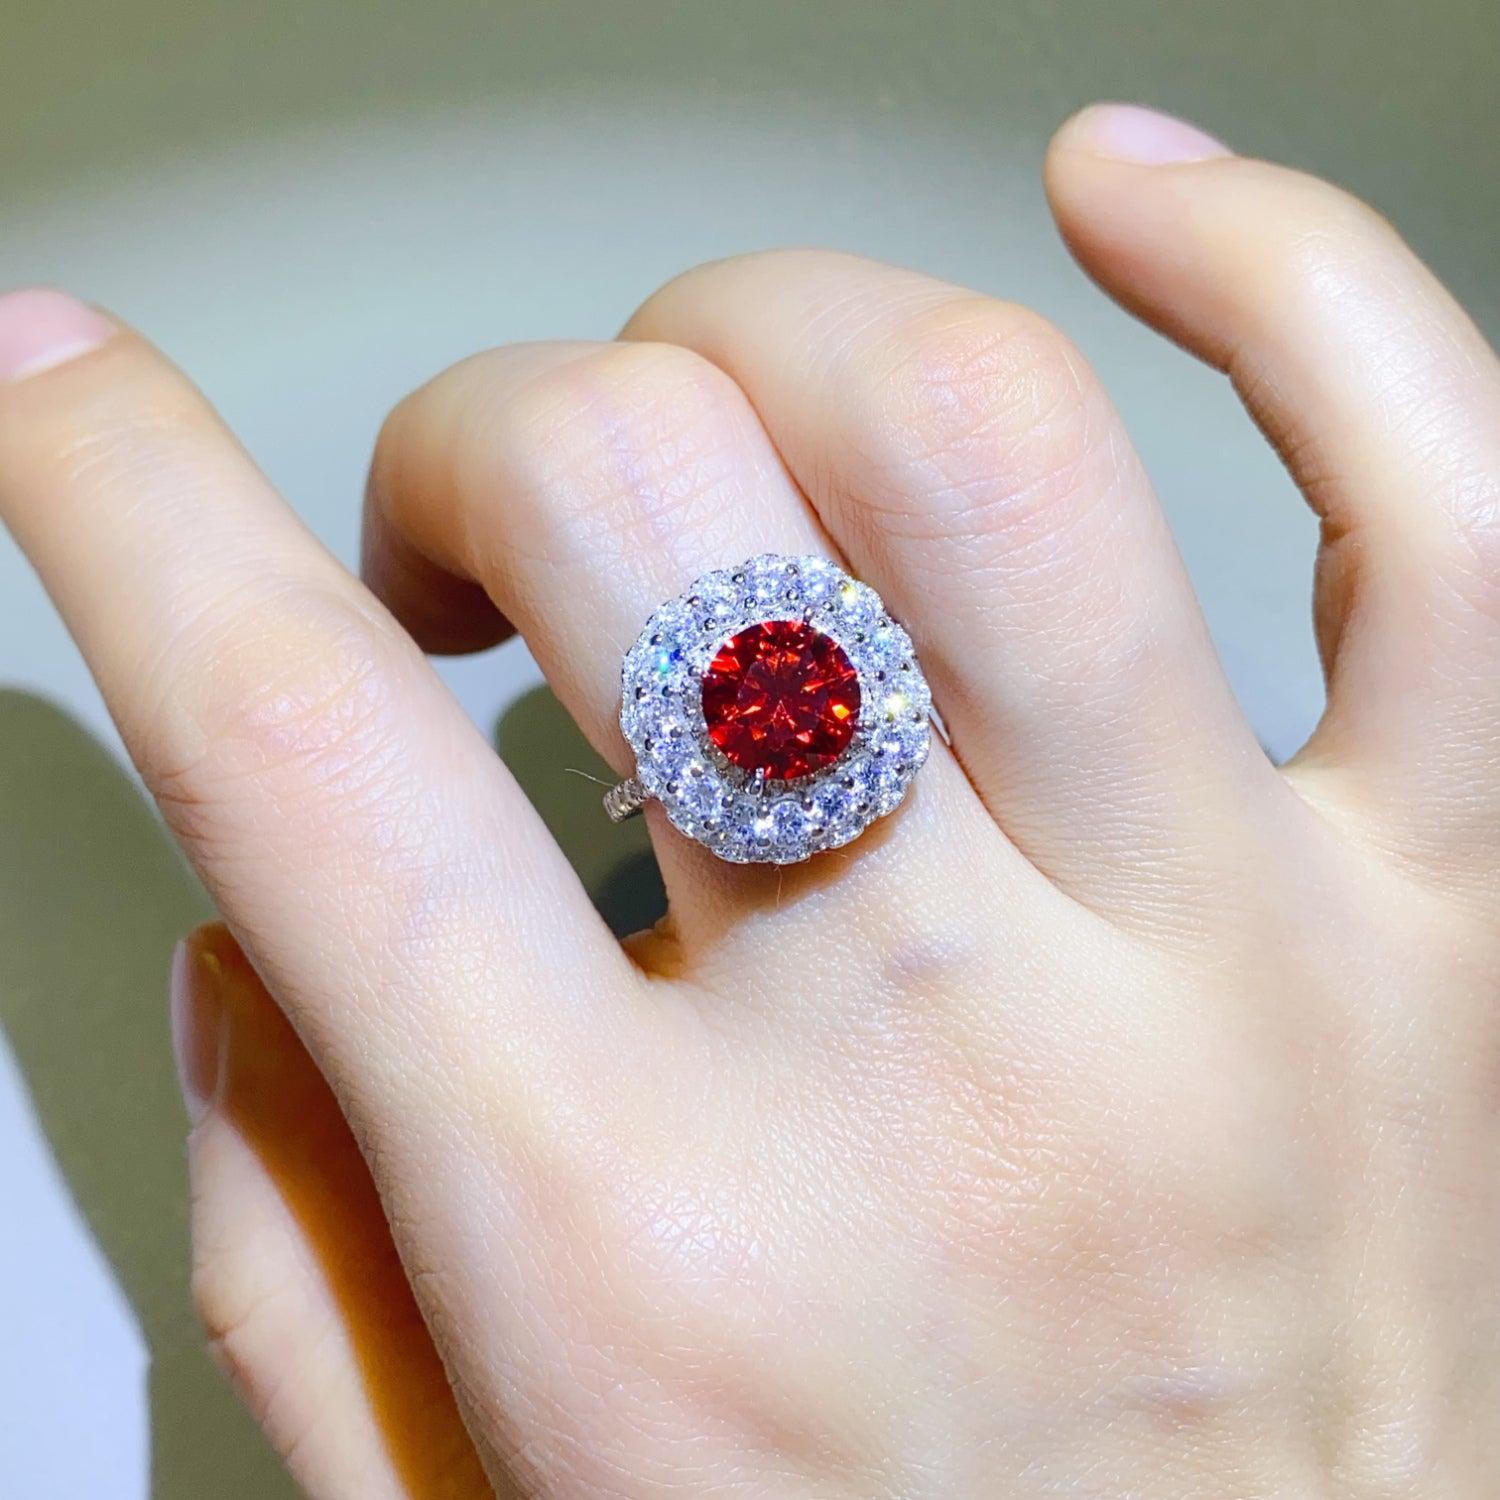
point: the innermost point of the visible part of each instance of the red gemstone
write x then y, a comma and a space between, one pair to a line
782, 698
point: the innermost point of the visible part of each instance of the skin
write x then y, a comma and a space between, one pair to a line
1117, 1119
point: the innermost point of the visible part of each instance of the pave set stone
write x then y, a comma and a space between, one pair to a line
775, 709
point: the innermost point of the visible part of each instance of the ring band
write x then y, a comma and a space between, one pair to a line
626, 799
775, 710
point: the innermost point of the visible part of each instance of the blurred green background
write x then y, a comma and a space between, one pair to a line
315, 206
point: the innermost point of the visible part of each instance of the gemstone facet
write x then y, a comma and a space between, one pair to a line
782, 699
775, 709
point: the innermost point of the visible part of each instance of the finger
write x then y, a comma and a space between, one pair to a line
579, 485
1385, 402
964, 457
443, 613
582, 485
354, 828
295, 1276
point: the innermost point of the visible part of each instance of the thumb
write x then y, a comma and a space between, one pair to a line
295, 1276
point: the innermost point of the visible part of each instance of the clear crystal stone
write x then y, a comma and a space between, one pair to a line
662, 712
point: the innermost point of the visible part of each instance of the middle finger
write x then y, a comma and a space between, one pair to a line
964, 456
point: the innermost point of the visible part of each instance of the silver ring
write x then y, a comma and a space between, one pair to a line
775, 710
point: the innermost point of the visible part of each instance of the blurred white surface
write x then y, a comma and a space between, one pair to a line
72, 1362
315, 208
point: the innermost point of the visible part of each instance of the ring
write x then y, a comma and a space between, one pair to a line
775, 710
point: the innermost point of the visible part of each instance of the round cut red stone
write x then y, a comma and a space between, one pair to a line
782, 698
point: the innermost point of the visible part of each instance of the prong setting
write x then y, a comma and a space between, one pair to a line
752, 818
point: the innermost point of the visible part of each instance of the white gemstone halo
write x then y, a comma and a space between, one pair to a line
748, 819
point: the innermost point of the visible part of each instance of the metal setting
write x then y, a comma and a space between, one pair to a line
749, 819
626, 800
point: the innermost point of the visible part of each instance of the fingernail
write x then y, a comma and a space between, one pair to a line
1144, 137
200, 1032
40, 329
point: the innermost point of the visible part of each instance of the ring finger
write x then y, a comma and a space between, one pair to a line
581, 485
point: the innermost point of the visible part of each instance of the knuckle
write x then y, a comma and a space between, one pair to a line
219, 1304
1332, 249
289, 695
626, 436
612, 389
238, 1321
542, 412
994, 420
411, 446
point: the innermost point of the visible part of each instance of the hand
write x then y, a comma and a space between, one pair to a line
1118, 1118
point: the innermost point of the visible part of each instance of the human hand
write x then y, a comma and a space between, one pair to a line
1117, 1118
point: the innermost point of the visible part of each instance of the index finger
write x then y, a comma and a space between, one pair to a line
390, 880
